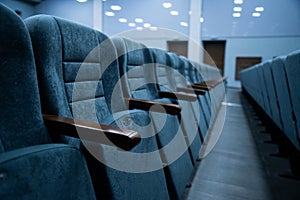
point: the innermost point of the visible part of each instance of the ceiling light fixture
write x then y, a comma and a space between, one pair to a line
116, 7
174, 12
184, 24
167, 5
201, 19
237, 9
139, 28
153, 28
81, 1
139, 20
131, 24
109, 14
259, 9
147, 25
256, 14
236, 14
122, 20
238, 2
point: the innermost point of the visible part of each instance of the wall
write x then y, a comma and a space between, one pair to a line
266, 47
68, 9
27, 9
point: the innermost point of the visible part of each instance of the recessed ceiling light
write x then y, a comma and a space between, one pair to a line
116, 7
174, 12
110, 14
236, 14
167, 5
256, 14
81, 1
201, 19
237, 9
259, 9
184, 24
131, 24
122, 20
153, 28
238, 1
139, 28
139, 20
190, 12
147, 25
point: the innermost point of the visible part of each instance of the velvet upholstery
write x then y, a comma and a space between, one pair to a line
205, 111
16, 62
77, 74
137, 67
189, 116
48, 171
30, 166
293, 71
274, 110
284, 98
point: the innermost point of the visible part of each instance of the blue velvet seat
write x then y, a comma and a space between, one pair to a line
78, 78
204, 100
272, 94
190, 116
292, 67
138, 72
284, 99
31, 165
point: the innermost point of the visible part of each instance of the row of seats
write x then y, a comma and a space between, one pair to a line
85, 116
274, 86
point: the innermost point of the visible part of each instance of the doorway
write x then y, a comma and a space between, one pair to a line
215, 53
244, 63
178, 47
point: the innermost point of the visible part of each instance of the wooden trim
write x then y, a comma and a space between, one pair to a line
104, 134
146, 105
191, 90
178, 95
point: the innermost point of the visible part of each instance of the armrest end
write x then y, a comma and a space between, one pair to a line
171, 109
109, 135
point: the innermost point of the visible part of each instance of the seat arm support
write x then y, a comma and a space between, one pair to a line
104, 134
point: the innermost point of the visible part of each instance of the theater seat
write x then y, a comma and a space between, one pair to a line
292, 67
138, 71
78, 78
189, 116
31, 166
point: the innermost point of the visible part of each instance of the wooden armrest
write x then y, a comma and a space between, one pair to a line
178, 95
191, 90
211, 83
200, 87
109, 135
146, 105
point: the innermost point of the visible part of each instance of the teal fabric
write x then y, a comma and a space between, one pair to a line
134, 55
274, 110
293, 71
49, 171
21, 122
283, 98
62, 50
165, 77
31, 167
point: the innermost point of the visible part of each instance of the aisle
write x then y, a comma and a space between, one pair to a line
233, 170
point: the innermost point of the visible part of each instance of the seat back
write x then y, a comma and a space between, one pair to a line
31, 167
293, 72
78, 75
138, 70
284, 99
19, 90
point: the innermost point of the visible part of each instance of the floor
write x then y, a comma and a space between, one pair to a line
240, 166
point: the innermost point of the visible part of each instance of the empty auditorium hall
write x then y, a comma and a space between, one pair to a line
150, 99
